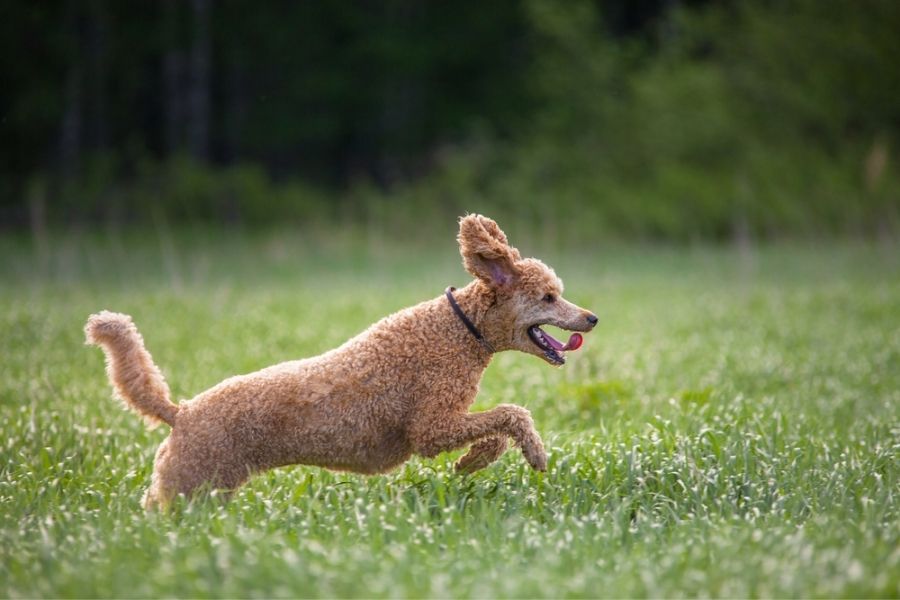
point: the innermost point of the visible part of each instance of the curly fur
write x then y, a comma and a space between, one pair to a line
367, 405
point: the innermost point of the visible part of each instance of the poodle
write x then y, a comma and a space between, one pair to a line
401, 387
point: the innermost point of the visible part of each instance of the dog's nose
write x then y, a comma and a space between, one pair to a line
592, 319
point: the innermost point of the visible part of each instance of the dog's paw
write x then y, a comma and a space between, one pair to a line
469, 464
535, 455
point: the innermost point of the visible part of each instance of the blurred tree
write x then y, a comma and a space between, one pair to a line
675, 118
198, 94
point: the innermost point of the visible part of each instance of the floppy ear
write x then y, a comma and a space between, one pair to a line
485, 251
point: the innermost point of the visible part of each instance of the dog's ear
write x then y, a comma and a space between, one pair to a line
485, 251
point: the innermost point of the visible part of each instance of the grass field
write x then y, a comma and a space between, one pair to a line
731, 428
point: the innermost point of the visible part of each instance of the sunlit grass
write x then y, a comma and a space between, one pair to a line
730, 429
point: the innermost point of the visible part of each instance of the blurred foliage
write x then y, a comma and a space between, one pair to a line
654, 120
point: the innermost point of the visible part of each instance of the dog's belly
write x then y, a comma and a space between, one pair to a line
367, 456
336, 441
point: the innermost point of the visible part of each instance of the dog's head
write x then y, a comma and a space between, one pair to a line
527, 294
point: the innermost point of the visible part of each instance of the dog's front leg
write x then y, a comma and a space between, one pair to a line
438, 433
482, 453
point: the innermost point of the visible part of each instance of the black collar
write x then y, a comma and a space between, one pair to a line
462, 317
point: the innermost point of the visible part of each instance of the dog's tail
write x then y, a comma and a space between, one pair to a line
130, 367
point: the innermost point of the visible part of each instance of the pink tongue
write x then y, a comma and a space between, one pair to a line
574, 342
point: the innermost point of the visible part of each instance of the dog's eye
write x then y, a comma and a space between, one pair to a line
549, 298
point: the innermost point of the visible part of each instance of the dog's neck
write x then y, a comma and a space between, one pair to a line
474, 300
461, 314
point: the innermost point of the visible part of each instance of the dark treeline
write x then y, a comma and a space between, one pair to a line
326, 90
655, 118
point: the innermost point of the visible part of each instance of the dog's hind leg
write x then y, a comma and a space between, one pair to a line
157, 497
161, 491
482, 453
175, 471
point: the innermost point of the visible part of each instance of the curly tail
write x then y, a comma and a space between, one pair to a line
130, 367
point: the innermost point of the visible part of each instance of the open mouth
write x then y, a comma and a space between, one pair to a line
553, 348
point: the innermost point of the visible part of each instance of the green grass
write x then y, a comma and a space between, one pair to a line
732, 427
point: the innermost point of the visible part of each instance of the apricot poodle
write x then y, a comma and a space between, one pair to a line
371, 403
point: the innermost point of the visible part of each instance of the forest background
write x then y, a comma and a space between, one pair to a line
639, 120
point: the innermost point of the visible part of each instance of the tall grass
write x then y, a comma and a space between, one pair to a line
730, 429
